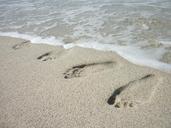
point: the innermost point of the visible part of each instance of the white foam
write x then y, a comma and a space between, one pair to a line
166, 42
98, 24
137, 56
34, 39
130, 53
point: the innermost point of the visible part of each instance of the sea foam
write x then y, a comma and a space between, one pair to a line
132, 54
138, 30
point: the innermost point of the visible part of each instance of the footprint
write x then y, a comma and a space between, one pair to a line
21, 45
80, 70
46, 56
134, 93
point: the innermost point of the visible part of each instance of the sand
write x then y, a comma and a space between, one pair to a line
44, 86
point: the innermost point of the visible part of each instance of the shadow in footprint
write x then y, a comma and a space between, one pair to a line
112, 98
76, 71
21, 45
132, 85
46, 56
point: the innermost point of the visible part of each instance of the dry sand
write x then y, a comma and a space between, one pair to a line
44, 86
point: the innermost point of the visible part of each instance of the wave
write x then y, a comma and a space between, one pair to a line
130, 53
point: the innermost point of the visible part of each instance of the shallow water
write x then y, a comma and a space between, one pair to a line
138, 30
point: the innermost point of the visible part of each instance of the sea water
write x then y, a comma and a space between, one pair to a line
138, 30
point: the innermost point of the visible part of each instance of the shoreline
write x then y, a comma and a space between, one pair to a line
49, 86
137, 60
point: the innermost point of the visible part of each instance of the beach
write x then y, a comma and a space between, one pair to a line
45, 86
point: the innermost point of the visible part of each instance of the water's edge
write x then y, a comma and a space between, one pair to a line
123, 52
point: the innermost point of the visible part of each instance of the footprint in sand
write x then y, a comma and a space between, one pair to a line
80, 70
21, 45
46, 56
136, 92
